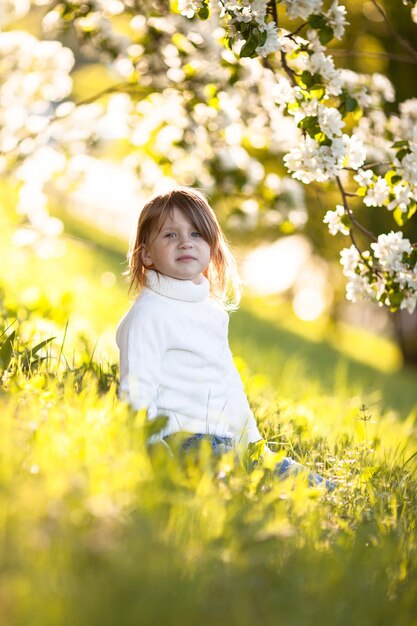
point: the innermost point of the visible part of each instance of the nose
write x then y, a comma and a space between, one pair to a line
185, 242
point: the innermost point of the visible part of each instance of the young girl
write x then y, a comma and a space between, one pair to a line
175, 358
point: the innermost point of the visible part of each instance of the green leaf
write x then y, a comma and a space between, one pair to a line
411, 210
6, 351
318, 92
308, 122
350, 104
399, 216
229, 42
250, 46
326, 141
326, 34
316, 21
243, 27
307, 78
402, 153
392, 177
315, 130
400, 144
320, 137
203, 13
395, 298
263, 36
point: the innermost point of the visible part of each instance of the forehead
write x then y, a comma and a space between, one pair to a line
175, 217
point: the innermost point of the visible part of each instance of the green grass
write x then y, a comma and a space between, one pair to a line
97, 528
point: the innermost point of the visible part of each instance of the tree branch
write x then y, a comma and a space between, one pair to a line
349, 211
272, 8
339, 52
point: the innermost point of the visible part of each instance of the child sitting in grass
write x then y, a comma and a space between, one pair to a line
175, 358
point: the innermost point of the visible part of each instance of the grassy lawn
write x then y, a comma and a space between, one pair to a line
96, 528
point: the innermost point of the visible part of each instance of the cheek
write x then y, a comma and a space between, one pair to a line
206, 249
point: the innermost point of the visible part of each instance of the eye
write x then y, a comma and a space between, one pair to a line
170, 235
195, 234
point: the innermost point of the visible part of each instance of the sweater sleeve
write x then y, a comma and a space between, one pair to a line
141, 341
236, 388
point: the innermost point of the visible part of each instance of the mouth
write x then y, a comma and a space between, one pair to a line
186, 258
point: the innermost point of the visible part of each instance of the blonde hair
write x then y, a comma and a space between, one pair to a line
221, 272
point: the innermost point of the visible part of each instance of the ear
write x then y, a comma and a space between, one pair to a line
146, 257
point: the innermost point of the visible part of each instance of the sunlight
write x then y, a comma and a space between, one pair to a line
309, 303
273, 268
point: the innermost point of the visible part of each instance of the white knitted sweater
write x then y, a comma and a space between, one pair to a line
175, 360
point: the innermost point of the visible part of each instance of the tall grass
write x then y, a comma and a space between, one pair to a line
98, 527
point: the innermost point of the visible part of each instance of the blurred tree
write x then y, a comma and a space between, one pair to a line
137, 80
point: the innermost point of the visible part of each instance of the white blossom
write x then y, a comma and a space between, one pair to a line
355, 154
330, 120
311, 161
302, 8
402, 197
389, 251
11, 10
334, 221
272, 43
247, 11
409, 165
259, 10
364, 177
349, 259
384, 86
189, 8
336, 19
324, 65
378, 194
283, 92
358, 288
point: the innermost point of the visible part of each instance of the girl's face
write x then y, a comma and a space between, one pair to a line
178, 250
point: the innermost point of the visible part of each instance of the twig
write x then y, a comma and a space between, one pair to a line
337, 52
349, 212
272, 8
290, 73
353, 239
297, 30
102, 93
369, 165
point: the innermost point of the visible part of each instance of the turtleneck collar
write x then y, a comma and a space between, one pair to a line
184, 290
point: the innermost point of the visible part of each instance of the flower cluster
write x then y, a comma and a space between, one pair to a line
337, 221
397, 189
248, 26
327, 120
320, 98
302, 8
190, 7
386, 274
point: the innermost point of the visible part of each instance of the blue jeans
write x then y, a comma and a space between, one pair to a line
283, 469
